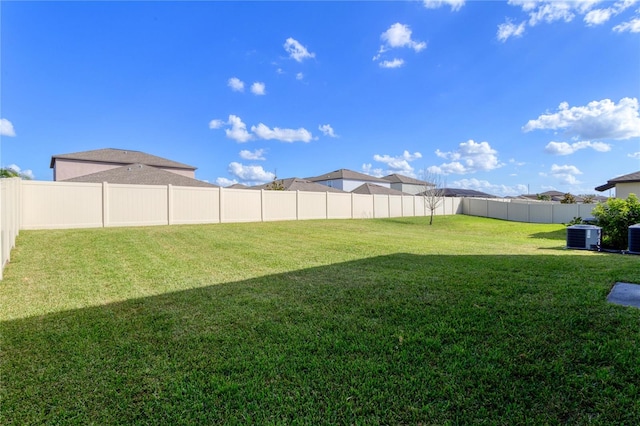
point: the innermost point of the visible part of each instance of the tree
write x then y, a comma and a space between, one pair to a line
543, 197
568, 199
275, 185
589, 199
614, 217
433, 194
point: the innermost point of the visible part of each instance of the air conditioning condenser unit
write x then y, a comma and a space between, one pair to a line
583, 237
634, 239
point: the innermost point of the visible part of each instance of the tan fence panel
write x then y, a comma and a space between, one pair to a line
279, 205
420, 208
338, 205
362, 206
136, 205
540, 213
395, 206
194, 205
380, 206
240, 205
312, 205
498, 210
9, 218
518, 212
409, 205
60, 205
477, 207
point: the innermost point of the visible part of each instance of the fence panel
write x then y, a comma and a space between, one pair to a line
9, 218
240, 205
279, 205
380, 206
395, 205
136, 205
362, 206
409, 205
338, 205
194, 205
57, 205
312, 205
498, 210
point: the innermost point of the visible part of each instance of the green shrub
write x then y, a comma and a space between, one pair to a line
615, 216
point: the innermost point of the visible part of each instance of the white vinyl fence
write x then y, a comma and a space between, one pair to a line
61, 205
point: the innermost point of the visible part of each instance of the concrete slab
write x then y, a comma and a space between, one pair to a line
625, 294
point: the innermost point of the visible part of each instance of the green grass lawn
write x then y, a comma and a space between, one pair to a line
468, 321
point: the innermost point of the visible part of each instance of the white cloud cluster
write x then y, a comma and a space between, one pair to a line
6, 128
397, 36
635, 155
222, 181
548, 11
258, 88
26, 173
566, 174
434, 4
238, 131
564, 148
296, 50
597, 120
393, 164
470, 157
490, 188
250, 174
257, 154
327, 130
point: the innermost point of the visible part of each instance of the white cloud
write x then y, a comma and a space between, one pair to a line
396, 63
253, 174
258, 154
222, 181
236, 84
566, 173
258, 88
398, 164
296, 50
327, 130
564, 148
470, 157
509, 29
434, 4
548, 11
283, 135
371, 171
635, 155
632, 26
6, 128
490, 188
238, 131
399, 35
598, 120
216, 124
299, 76
26, 173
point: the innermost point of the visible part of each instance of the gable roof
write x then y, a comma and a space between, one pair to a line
122, 157
347, 175
397, 178
140, 174
631, 177
471, 193
372, 188
296, 184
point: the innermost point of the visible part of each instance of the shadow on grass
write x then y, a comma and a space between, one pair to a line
398, 339
560, 234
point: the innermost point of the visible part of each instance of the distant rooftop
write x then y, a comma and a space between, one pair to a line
397, 178
296, 184
140, 174
372, 188
122, 157
347, 175
631, 177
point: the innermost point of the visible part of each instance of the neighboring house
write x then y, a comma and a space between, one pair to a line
140, 174
237, 186
347, 180
69, 166
295, 184
466, 193
624, 185
407, 184
372, 188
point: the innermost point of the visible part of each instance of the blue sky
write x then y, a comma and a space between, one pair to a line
503, 97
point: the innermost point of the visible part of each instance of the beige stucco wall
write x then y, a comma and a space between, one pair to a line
64, 169
624, 189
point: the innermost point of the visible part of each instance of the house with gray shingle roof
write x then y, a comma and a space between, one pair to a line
373, 189
296, 184
407, 184
140, 174
69, 166
347, 180
624, 185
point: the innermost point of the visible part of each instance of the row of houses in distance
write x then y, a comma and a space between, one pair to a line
119, 166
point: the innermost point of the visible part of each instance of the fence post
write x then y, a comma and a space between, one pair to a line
169, 204
326, 204
220, 206
262, 205
297, 204
105, 204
